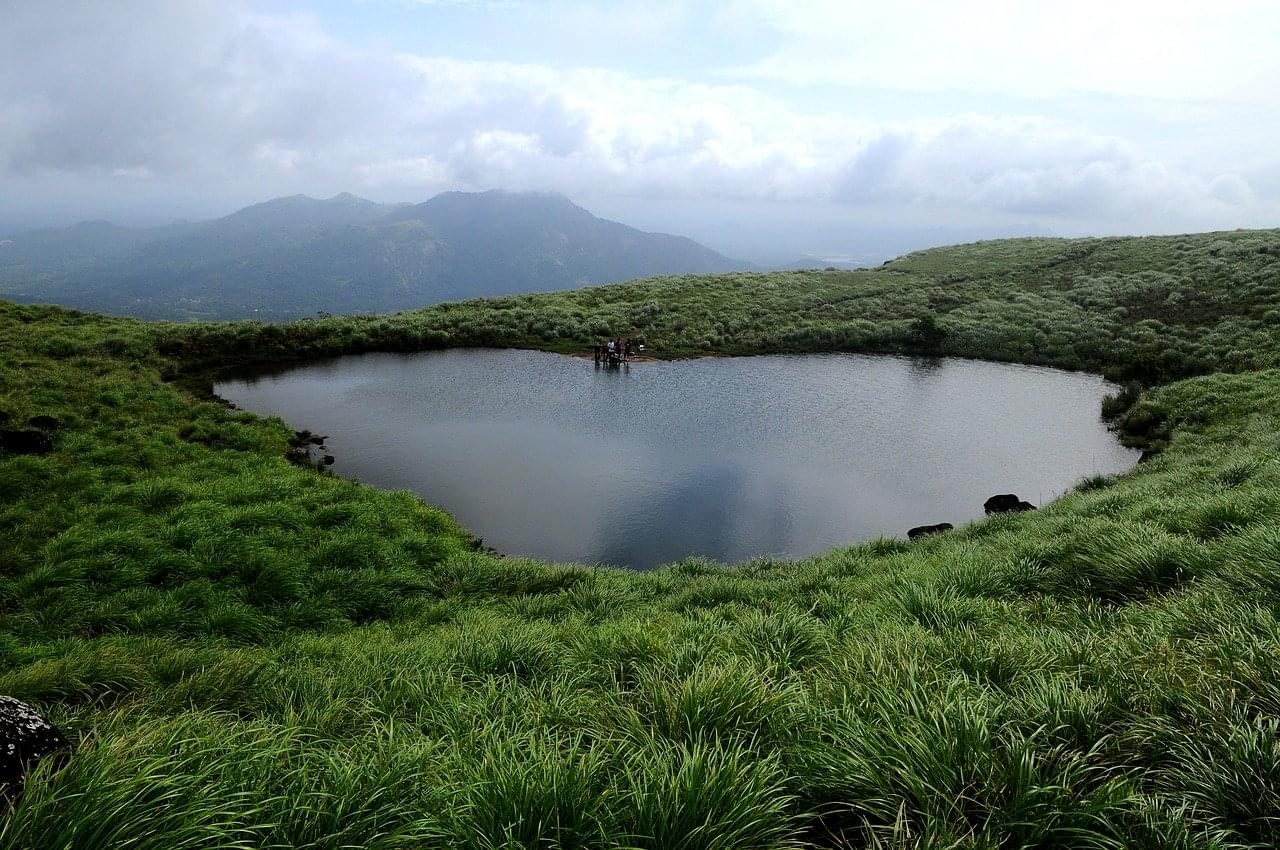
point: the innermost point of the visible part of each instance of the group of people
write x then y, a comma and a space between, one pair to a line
617, 350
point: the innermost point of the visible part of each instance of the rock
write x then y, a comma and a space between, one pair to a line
328, 460
44, 423
300, 456
25, 738
1006, 503
29, 442
318, 441
926, 530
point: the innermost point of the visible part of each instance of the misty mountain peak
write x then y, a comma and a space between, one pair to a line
303, 211
502, 199
292, 256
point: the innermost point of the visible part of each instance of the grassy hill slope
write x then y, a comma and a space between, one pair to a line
249, 653
1152, 309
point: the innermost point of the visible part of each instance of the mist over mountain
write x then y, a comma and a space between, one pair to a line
296, 256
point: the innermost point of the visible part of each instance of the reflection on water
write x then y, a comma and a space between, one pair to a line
546, 456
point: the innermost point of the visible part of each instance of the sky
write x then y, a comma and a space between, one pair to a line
768, 129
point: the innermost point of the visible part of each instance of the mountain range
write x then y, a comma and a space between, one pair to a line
297, 256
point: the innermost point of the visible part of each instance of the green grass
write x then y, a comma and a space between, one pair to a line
1151, 310
252, 654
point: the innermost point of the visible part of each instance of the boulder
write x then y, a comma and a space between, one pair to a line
28, 442
925, 530
25, 738
1006, 503
44, 423
299, 456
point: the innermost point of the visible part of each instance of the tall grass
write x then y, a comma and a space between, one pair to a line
251, 654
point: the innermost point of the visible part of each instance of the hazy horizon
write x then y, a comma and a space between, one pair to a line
767, 131
876, 243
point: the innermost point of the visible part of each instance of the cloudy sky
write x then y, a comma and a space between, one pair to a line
766, 128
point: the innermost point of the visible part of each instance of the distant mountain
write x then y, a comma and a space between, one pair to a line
46, 253
861, 261
296, 256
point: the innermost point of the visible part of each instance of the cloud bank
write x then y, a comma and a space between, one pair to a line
201, 93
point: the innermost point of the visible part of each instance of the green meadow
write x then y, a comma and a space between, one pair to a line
250, 653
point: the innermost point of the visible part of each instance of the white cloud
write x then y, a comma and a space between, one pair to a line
207, 93
1178, 49
1029, 166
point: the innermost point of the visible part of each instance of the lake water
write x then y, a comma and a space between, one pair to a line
729, 458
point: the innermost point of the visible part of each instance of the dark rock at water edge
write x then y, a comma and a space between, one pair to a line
308, 449
305, 439
25, 739
926, 530
1005, 503
25, 442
